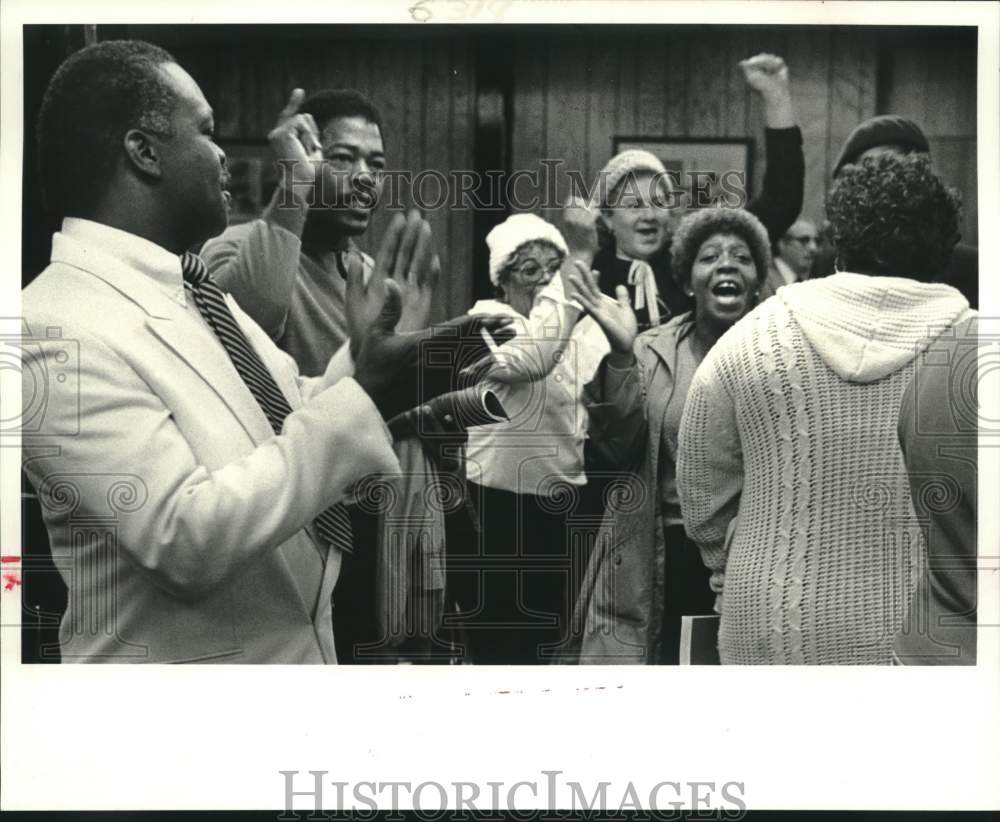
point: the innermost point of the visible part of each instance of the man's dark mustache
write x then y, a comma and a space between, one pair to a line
360, 196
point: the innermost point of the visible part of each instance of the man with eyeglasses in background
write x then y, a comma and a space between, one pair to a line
794, 257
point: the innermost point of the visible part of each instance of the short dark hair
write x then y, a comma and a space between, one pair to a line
891, 215
340, 102
699, 225
94, 98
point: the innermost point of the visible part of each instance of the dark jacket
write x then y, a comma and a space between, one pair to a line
777, 207
938, 437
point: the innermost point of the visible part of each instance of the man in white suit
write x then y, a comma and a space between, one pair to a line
185, 524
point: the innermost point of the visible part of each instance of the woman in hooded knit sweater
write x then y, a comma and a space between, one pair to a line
644, 573
790, 474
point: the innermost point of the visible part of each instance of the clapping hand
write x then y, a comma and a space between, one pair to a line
418, 280
615, 317
389, 363
579, 229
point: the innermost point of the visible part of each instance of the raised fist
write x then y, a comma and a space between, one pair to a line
766, 74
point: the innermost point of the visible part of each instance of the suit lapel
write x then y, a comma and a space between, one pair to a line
177, 327
171, 322
772, 283
199, 348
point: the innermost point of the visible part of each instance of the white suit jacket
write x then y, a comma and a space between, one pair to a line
180, 523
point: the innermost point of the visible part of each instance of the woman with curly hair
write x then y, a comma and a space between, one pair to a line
789, 469
644, 573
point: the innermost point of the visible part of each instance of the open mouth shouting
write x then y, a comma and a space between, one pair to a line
728, 290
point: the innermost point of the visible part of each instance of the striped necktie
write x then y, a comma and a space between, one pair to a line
332, 525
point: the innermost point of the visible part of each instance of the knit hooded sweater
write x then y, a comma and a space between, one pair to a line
790, 474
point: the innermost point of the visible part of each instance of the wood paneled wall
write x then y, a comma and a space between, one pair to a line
574, 93
934, 82
575, 88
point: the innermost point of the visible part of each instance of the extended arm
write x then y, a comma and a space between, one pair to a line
614, 399
780, 200
206, 514
540, 339
258, 265
616, 411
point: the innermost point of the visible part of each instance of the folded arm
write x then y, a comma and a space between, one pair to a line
258, 264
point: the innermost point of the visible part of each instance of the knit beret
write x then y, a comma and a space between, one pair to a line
626, 162
884, 130
518, 229
699, 225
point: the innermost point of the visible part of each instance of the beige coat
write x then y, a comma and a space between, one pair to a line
180, 523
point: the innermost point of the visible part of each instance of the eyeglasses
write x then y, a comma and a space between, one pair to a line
806, 240
532, 270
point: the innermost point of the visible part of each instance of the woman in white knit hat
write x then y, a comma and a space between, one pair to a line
789, 468
633, 205
525, 474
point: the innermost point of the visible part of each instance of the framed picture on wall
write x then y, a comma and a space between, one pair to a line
255, 176
705, 170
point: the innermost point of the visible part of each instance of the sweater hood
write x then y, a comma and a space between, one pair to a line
866, 328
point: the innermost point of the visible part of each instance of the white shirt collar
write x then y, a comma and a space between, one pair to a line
161, 266
786, 272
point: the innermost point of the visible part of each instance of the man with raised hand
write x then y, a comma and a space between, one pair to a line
190, 478
288, 268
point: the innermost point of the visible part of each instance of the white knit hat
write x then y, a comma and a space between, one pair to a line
614, 171
518, 229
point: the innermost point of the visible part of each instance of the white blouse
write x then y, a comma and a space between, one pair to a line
539, 378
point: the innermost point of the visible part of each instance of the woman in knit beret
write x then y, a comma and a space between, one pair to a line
789, 468
633, 206
644, 573
526, 474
